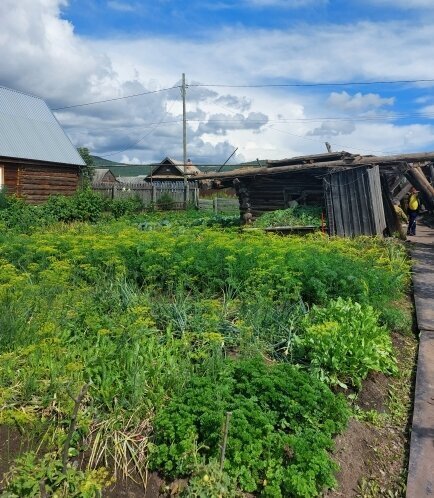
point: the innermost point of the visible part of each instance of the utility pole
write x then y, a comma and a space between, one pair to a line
184, 143
184, 123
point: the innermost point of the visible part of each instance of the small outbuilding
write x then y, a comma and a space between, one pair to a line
37, 159
103, 176
173, 170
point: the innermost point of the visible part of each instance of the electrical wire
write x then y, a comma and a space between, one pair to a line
116, 98
334, 143
142, 138
264, 85
298, 85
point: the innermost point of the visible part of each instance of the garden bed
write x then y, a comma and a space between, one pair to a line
173, 326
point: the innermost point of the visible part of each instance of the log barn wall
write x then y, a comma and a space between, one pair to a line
35, 182
268, 193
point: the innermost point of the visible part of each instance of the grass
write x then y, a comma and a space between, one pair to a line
141, 315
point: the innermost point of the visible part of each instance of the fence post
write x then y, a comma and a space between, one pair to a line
113, 191
196, 197
153, 195
186, 193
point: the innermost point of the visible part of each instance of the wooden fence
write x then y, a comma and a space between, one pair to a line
354, 202
165, 195
220, 205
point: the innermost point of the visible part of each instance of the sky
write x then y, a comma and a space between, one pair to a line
270, 78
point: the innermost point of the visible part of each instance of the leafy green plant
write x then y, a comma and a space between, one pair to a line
282, 426
209, 481
124, 207
161, 322
295, 216
32, 477
344, 342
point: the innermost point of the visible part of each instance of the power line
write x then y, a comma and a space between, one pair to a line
298, 85
142, 138
115, 98
264, 85
322, 142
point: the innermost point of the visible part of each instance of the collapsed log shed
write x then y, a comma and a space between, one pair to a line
300, 179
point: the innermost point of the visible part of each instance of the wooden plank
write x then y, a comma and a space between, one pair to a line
385, 161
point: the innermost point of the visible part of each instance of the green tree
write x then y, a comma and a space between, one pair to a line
86, 172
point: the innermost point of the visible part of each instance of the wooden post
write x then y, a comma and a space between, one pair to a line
153, 194
225, 440
420, 182
423, 179
186, 193
72, 424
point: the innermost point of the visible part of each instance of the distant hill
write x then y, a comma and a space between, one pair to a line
100, 162
121, 169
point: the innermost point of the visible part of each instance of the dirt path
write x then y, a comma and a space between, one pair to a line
421, 465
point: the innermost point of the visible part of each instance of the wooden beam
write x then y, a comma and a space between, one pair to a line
416, 179
385, 161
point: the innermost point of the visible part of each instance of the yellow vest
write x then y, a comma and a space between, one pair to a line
413, 203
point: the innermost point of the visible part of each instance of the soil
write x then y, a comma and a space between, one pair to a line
12, 444
373, 456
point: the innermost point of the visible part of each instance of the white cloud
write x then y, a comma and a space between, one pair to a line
333, 128
343, 101
429, 109
125, 159
329, 53
42, 54
121, 6
287, 4
405, 4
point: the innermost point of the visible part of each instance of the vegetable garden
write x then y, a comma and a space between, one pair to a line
164, 328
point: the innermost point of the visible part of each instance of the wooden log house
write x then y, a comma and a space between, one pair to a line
37, 159
173, 170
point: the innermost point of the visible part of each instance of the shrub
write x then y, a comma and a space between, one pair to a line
87, 205
123, 207
165, 202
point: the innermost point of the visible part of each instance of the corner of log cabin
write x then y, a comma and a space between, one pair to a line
36, 182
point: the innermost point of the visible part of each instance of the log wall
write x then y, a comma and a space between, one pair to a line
10, 176
36, 182
268, 193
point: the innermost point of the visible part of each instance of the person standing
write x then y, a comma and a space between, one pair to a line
413, 208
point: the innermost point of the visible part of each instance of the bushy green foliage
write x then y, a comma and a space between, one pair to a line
85, 205
343, 342
124, 207
30, 476
208, 480
165, 202
282, 425
149, 318
87, 171
3, 198
295, 216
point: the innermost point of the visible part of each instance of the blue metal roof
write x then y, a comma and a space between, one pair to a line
29, 130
